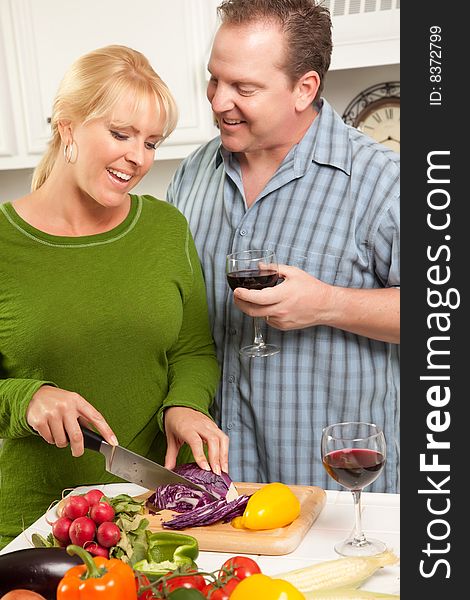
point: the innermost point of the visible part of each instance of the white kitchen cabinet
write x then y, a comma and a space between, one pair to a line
8, 140
39, 39
366, 39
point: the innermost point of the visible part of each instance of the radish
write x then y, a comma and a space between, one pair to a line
108, 534
101, 512
82, 530
60, 530
96, 550
93, 496
75, 506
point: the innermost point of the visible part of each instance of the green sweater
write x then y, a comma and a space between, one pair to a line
120, 318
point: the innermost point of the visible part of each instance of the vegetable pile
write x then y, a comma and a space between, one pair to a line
240, 578
196, 507
116, 528
111, 536
91, 521
102, 576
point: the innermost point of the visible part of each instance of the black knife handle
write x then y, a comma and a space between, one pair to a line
91, 439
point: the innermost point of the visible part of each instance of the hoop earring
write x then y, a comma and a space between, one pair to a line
68, 152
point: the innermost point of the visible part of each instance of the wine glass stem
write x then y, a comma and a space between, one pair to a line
359, 537
259, 341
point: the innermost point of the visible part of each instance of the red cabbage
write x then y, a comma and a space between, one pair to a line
197, 508
219, 510
181, 498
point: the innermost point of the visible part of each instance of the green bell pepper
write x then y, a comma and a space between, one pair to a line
166, 552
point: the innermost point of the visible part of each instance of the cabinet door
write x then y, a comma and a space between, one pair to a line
48, 35
8, 145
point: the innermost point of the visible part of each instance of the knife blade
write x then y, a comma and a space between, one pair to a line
135, 468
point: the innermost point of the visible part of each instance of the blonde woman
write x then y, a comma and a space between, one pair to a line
103, 316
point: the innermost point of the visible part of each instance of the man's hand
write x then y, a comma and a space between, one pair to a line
302, 301
299, 301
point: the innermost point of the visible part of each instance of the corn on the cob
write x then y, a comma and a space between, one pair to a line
338, 573
347, 594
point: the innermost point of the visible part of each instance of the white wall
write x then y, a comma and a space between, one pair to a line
343, 85
340, 88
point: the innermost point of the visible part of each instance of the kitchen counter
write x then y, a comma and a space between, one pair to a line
380, 519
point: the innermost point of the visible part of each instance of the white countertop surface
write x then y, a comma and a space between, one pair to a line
380, 519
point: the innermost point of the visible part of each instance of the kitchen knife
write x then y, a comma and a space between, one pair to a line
135, 468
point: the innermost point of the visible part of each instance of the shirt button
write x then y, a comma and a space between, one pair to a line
232, 331
229, 425
243, 232
231, 379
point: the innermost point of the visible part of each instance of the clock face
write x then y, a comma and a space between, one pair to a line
381, 121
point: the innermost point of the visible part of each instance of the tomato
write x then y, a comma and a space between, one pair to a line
185, 594
240, 567
218, 590
142, 580
190, 580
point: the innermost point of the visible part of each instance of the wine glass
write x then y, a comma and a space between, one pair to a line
353, 454
254, 270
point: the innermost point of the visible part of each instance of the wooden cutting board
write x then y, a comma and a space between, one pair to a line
222, 537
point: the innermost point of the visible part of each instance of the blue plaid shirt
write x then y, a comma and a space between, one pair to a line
331, 209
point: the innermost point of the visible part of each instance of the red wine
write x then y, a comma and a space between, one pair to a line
253, 279
354, 467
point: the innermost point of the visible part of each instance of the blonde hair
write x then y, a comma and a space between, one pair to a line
96, 83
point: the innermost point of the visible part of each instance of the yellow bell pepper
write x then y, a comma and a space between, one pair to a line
262, 586
274, 505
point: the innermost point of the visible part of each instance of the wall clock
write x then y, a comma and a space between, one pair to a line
376, 112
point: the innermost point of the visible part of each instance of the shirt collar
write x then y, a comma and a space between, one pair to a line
328, 139
325, 142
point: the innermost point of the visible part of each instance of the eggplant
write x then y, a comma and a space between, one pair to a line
35, 569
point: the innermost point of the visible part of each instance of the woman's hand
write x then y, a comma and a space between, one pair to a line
55, 414
191, 426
